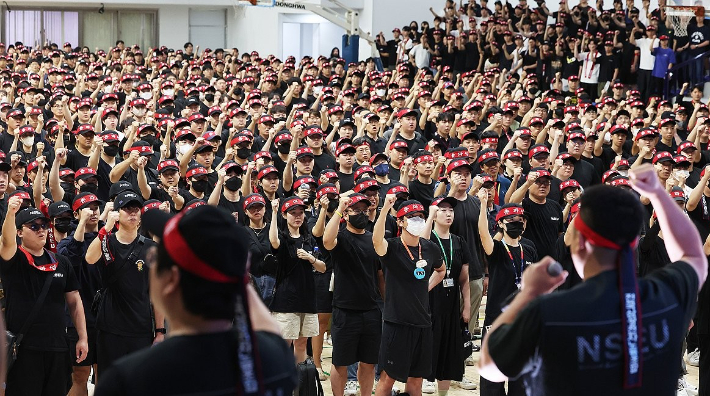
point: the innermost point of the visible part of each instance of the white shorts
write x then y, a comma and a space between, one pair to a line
296, 325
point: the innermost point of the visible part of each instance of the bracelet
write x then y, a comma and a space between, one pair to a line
161, 330
338, 213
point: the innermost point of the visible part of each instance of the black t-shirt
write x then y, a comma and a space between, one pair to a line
347, 180
652, 252
76, 160
125, 309
295, 287
423, 193
544, 225
259, 247
585, 173
701, 216
572, 338
169, 368
504, 275
355, 265
407, 287
23, 284
465, 225
88, 275
323, 161
444, 300
235, 208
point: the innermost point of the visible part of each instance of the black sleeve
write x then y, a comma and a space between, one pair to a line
683, 280
72, 283
512, 346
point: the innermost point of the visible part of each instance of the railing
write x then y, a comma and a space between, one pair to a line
671, 85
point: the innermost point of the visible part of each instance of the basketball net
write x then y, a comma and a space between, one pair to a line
680, 17
240, 6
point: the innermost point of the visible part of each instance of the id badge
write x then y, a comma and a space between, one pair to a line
421, 263
448, 282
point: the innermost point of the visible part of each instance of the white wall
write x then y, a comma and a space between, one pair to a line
172, 26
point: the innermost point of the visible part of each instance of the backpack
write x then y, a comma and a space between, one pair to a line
308, 382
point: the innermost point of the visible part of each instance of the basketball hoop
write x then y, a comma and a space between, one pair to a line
680, 16
241, 5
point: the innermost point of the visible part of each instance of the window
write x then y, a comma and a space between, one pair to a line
37, 27
84, 27
208, 28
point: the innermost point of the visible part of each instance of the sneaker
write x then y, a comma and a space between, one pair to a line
470, 361
329, 340
351, 388
694, 358
467, 384
684, 388
428, 387
395, 391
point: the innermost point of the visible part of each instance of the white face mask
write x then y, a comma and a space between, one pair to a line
381, 92
202, 96
416, 225
169, 92
682, 174
317, 90
183, 148
108, 89
146, 95
28, 140
139, 112
624, 173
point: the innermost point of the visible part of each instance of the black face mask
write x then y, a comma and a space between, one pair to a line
67, 141
200, 185
150, 139
171, 109
111, 151
332, 205
69, 87
233, 183
277, 120
62, 225
209, 97
243, 153
67, 187
284, 148
514, 229
91, 187
358, 221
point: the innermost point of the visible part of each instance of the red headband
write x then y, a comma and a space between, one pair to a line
185, 258
592, 236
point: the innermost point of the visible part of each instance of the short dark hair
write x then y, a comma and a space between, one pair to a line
612, 212
187, 45
445, 116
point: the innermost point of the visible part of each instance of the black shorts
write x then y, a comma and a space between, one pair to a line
73, 337
111, 347
39, 373
324, 297
405, 351
356, 336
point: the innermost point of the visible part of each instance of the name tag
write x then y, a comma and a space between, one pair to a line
421, 263
448, 282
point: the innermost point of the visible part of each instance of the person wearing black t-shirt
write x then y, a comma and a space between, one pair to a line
42, 366
198, 288
422, 187
412, 267
699, 202
448, 311
294, 303
357, 319
556, 333
229, 177
86, 209
125, 316
545, 222
507, 260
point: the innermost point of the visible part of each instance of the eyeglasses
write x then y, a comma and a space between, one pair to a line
37, 226
576, 142
543, 182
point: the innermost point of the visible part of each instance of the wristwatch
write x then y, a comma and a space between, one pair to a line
161, 330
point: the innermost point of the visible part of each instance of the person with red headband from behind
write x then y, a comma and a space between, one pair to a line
612, 334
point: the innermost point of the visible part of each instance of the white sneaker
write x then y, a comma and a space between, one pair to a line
693, 358
467, 384
428, 387
684, 388
395, 391
470, 361
351, 388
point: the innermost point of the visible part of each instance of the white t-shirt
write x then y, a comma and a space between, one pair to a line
590, 69
646, 60
422, 57
403, 49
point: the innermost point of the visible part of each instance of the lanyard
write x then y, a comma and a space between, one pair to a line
410, 253
450, 259
52, 266
517, 271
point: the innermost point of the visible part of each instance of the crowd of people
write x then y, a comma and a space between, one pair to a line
377, 206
